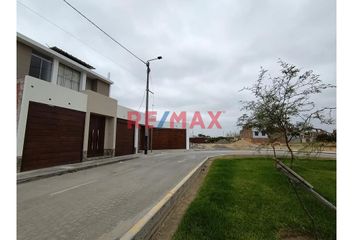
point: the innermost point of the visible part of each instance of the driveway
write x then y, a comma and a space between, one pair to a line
103, 202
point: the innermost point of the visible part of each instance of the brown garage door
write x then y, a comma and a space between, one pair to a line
124, 138
96, 135
168, 138
54, 136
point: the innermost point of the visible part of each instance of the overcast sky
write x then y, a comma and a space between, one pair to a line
210, 49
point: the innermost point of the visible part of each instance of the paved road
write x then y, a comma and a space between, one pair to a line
103, 202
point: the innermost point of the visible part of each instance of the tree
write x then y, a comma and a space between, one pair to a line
283, 107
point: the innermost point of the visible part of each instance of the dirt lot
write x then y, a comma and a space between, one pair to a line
244, 144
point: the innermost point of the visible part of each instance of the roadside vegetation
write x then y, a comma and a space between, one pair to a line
321, 174
247, 198
283, 107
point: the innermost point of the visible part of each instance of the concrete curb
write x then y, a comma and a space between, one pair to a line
66, 169
148, 224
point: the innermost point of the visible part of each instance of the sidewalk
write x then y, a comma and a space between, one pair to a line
28, 176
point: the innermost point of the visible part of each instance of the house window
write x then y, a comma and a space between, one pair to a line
91, 84
256, 133
41, 67
263, 133
68, 77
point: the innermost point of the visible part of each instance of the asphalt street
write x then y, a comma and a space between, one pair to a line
102, 202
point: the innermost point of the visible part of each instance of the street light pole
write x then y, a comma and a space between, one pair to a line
147, 108
147, 103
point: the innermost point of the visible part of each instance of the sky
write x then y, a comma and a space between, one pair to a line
210, 49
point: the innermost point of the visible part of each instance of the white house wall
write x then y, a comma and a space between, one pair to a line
122, 112
44, 92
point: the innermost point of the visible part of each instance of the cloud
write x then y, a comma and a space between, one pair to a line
210, 49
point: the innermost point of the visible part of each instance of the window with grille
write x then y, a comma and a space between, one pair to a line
40, 67
68, 77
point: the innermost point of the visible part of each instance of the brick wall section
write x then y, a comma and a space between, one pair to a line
246, 133
20, 86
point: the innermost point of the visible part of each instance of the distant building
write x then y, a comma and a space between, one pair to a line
253, 135
256, 136
311, 136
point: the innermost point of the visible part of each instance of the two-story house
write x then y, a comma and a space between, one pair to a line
65, 113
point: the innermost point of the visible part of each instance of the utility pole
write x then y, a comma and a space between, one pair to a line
147, 103
147, 108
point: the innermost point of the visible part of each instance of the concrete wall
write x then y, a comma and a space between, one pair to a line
100, 104
122, 112
44, 92
97, 86
97, 103
110, 136
24, 54
102, 88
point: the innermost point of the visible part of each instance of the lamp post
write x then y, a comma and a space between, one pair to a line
147, 103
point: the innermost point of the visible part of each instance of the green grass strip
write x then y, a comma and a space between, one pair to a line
250, 199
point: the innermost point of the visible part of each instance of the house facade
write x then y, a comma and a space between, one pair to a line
253, 135
260, 137
64, 110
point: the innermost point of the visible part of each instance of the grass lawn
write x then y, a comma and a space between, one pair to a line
250, 199
321, 174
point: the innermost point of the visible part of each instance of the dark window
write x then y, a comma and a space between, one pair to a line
263, 133
40, 67
256, 133
91, 84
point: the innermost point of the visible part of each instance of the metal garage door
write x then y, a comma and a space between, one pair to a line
54, 136
124, 138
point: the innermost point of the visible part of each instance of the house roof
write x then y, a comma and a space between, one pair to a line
62, 52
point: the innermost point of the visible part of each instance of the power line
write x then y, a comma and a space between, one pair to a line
142, 101
73, 36
76, 38
94, 24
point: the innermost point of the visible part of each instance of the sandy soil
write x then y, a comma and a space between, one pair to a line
244, 144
